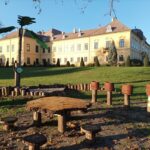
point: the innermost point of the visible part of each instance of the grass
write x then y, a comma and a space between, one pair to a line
137, 76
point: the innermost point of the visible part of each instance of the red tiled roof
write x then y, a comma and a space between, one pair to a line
116, 26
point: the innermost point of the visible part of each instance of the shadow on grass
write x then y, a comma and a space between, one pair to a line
41, 71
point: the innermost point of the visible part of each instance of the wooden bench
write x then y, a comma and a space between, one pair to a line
90, 131
34, 141
8, 122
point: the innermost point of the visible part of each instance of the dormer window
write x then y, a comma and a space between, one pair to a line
109, 28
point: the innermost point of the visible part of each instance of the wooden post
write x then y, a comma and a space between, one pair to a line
109, 98
94, 96
148, 104
126, 100
0, 92
37, 118
90, 135
16, 91
34, 147
61, 123
23, 92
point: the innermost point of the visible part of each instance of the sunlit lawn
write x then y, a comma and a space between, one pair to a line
137, 76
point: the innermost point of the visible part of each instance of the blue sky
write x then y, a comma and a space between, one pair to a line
66, 16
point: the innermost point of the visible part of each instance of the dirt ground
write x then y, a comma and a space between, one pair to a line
122, 129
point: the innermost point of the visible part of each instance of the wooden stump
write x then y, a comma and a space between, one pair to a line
31, 93
17, 91
109, 98
13, 93
90, 131
8, 123
0, 92
35, 141
23, 92
61, 123
148, 104
37, 119
94, 96
126, 100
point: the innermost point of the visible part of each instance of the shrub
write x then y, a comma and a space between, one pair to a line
96, 61
136, 62
7, 64
90, 65
58, 62
128, 62
146, 61
24, 65
82, 63
68, 64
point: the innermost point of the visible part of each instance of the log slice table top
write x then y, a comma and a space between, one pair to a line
57, 104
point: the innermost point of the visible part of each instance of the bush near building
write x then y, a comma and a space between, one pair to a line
96, 62
58, 62
136, 62
146, 61
82, 63
128, 62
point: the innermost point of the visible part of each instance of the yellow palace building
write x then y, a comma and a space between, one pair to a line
78, 44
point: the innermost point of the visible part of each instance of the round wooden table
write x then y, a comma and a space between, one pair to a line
56, 105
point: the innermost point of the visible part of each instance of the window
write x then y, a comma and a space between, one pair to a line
13, 48
7, 48
28, 60
86, 46
85, 59
49, 49
71, 59
37, 61
79, 47
36, 48
121, 58
72, 47
121, 43
43, 50
60, 49
28, 47
78, 59
54, 60
65, 60
54, 49
108, 44
0, 49
95, 45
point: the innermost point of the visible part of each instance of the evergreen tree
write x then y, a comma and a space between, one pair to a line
96, 62
112, 54
7, 64
68, 64
146, 61
128, 62
82, 63
58, 62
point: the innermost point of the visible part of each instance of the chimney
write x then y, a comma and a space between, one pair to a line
113, 19
74, 30
63, 35
79, 33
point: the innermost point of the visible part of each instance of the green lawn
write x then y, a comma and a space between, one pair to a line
137, 76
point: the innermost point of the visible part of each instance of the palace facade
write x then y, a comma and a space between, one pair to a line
78, 44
